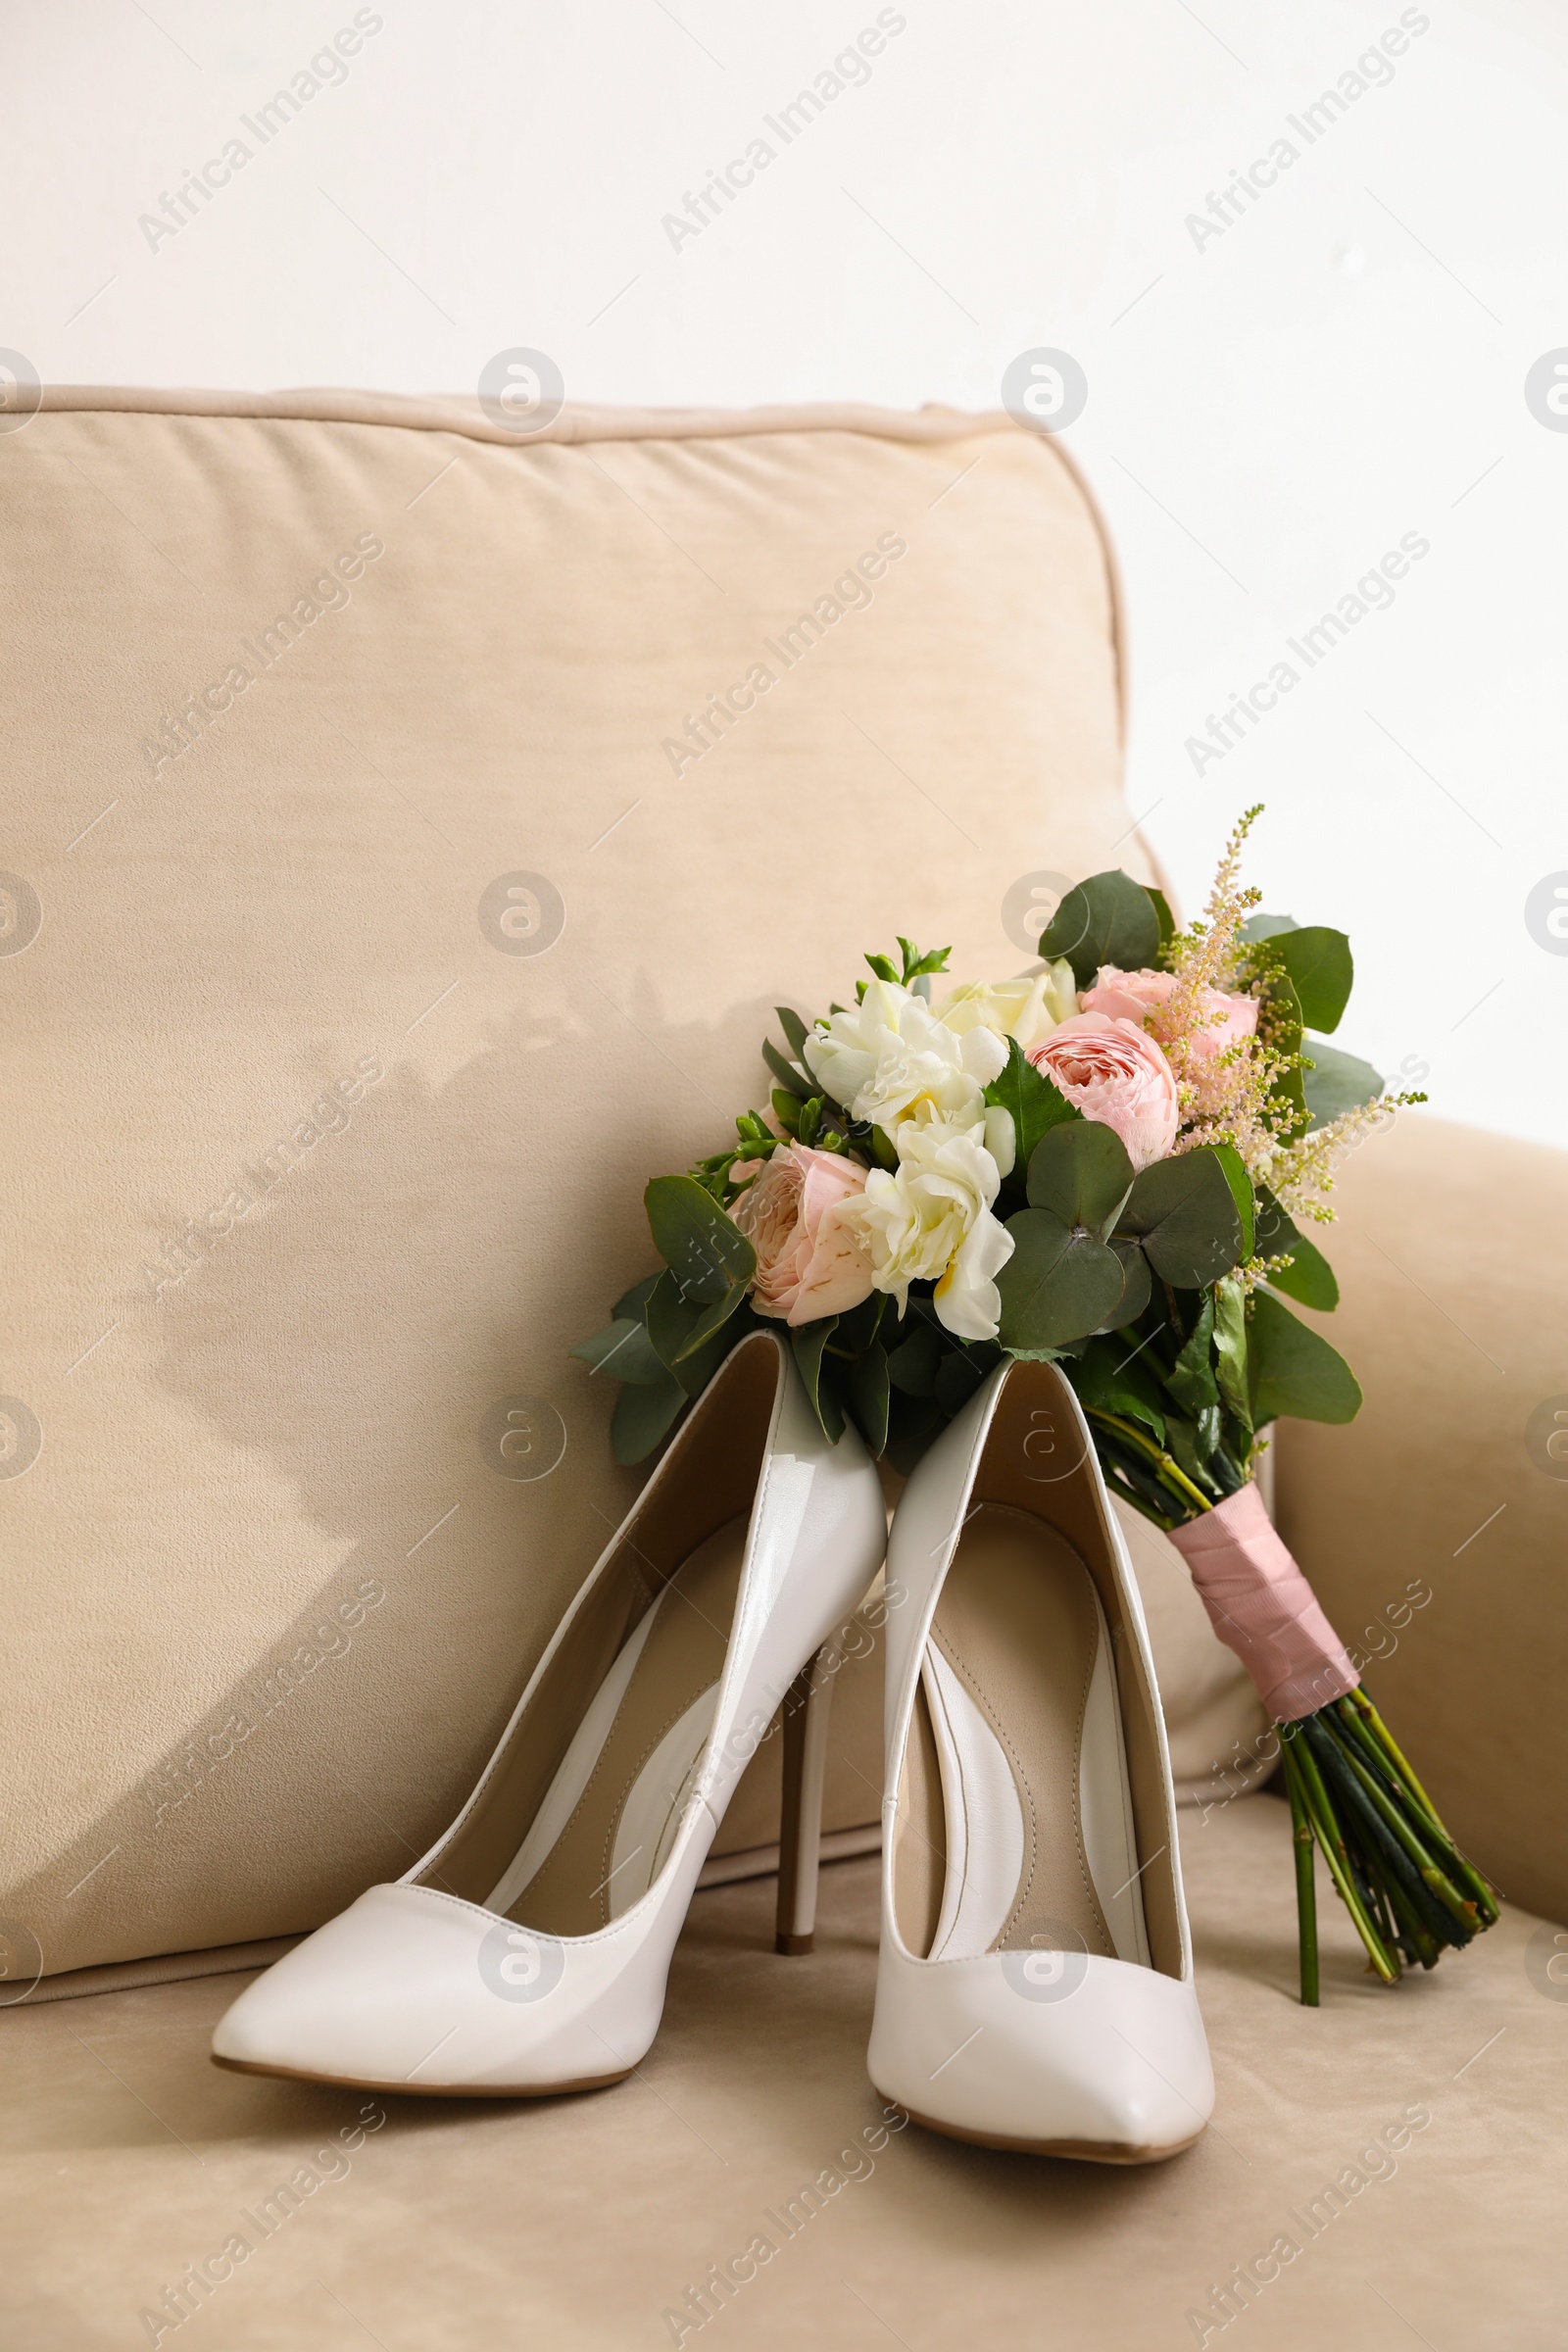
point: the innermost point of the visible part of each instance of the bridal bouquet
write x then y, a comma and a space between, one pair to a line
1106, 1164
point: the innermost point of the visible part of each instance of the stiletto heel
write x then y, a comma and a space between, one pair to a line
800, 1847
527, 1953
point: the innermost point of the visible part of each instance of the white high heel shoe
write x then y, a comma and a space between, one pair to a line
1034, 1985
527, 1952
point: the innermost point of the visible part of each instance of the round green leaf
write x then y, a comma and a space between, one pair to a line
1081, 1173
1109, 919
1184, 1212
1059, 1284
1134, 1287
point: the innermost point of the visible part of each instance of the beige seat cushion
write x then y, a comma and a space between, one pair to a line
314, 1169
1404, 2141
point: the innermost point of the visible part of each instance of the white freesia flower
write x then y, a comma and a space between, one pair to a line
891, 1054
967, 1301
1002, 1138
930, 1220
1027, 1008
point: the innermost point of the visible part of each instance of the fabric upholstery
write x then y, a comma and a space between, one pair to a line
584, 2221
1436, 1526
313, 1168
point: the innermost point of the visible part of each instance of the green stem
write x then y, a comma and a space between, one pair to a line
1448, 1895
1175, 1478
1380, 1740
1391, 1744
1417, 1934
1382, 1858
1305, 1888
1120, 1480
1322, 1816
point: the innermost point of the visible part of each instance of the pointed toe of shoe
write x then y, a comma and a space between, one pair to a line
322, 2009
1108, 2063
413, 1990
390, 1994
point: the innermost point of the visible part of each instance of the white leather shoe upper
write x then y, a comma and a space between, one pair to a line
415, 1985
1043, 2046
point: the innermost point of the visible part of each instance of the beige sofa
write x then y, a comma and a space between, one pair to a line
387, 892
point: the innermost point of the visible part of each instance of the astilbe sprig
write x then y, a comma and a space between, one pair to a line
1232, 1096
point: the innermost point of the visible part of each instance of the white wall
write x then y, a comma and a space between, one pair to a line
1270, 408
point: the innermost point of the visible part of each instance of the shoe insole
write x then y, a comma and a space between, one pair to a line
608, 1821
1015, 1822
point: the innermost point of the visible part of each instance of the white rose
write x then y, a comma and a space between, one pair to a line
1027, 1008
929, 1220
891, 1054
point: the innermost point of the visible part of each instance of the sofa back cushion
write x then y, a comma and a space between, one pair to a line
409, 829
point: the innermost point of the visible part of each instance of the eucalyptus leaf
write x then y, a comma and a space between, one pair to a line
1059, 1285
1162, 914
671, 1320
1336, 1083
958, 1375
643, 1415
1035, 1103
913, 1421
623, 1348
1292, 1370
1081, 1173
1184, 1212
1109, 919
704, 1249
631, 1302
809, 1344
1309, 1277
866, 1387
1136, 1286
913, 1364
1322, 973
1267, 926
862, 1324
1276, 1230
711, 1320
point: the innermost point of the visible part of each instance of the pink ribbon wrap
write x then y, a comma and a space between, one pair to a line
1261, 1606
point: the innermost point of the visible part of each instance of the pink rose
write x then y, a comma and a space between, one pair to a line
1130, 996
809, 1263
1115, 1073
